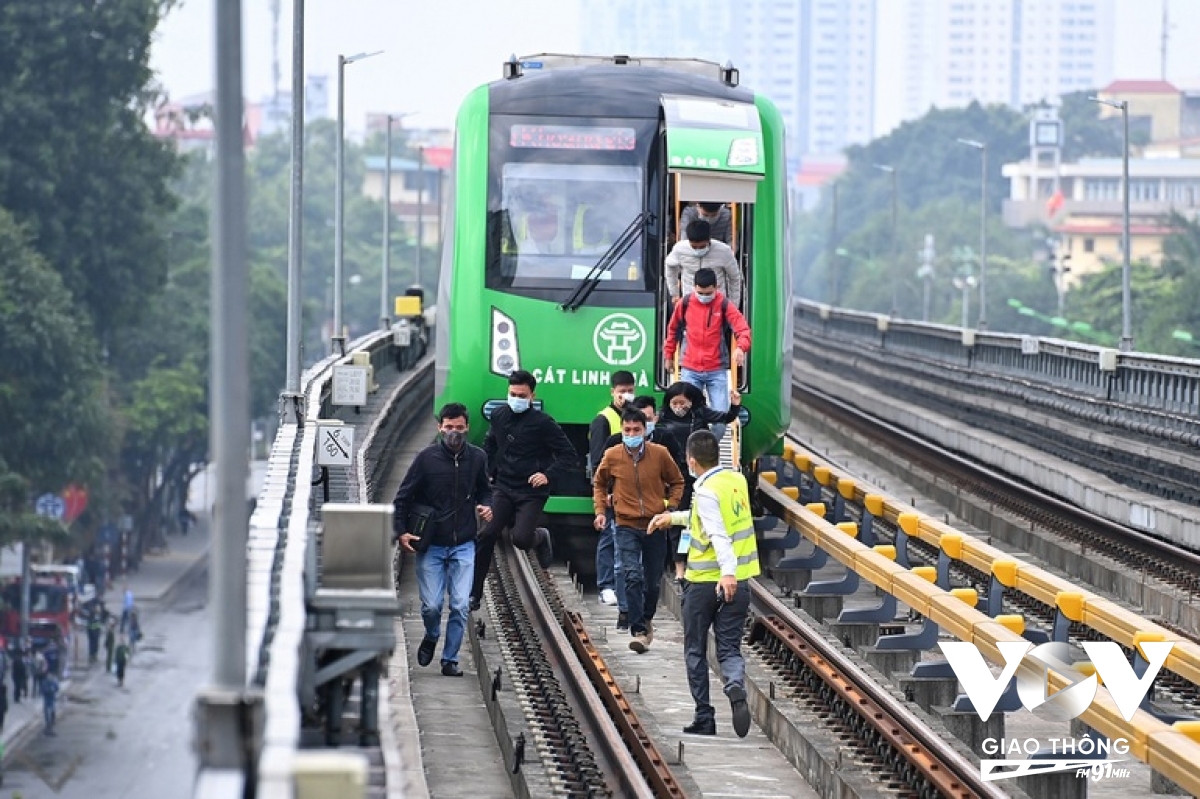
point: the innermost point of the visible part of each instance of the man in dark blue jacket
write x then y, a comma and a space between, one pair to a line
445, 488
526, 449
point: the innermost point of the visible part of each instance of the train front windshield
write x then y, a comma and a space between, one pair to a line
559, 197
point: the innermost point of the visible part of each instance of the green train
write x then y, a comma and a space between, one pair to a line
569, 178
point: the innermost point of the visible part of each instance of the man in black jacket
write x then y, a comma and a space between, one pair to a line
525, 448
445, 488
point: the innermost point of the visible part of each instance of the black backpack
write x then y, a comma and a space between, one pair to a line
726, 328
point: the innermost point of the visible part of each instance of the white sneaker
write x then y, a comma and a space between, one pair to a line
608, 597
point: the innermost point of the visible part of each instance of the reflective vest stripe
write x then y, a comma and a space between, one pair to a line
614, 420
733, 497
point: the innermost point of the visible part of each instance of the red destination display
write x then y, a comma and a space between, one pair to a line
571, 137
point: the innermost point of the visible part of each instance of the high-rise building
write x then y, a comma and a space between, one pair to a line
813, 58
1016, 52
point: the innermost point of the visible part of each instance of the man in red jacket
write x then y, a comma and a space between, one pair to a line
704, 322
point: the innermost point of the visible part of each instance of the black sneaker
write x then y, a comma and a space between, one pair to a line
741, 711
545, 549
425, 651
701, 728
474, 604
451, 669
622, 622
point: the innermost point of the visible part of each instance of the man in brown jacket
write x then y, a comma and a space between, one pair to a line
643, 479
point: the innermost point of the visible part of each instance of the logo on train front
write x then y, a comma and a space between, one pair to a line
619, 339
1046, 696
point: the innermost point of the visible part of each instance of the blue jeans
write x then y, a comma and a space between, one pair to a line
440, 569
716, 384
608, 562
48, 712
643, 557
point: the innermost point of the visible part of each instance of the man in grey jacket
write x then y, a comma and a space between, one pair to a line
700, 250
718, 217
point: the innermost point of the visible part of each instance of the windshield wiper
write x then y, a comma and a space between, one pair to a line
607, 261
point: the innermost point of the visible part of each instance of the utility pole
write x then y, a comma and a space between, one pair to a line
832, 257
1126, 298
292, 400
339, 335
384, 314
926, 274
226, 712
420, 208
982, 147
891, 170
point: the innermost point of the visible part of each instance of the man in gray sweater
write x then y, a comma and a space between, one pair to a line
701, 250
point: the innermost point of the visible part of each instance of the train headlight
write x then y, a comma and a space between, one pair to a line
506, 357
743, 152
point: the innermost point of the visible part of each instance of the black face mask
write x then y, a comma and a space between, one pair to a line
454, 439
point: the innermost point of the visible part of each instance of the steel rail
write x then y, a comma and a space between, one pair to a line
619, 767
936, 761
1103, 534
652, 763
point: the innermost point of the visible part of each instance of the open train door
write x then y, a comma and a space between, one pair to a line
715, 154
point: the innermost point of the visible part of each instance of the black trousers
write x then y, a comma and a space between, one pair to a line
521, 512
702, 611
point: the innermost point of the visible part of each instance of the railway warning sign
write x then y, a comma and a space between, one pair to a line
350, 385
335, 444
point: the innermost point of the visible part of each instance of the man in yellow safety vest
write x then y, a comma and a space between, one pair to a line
722, 556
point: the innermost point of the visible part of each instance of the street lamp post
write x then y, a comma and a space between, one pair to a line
420, 208
292, 399
384, 316
1126, 302
339, 338
965, 284
982, 147
891, 170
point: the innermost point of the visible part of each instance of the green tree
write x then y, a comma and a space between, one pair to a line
52, 395
77, 164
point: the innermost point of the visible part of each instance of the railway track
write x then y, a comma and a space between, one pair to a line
906, 757
583, 727
1174, 566
1175, 482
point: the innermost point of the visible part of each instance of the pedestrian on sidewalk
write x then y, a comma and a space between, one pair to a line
49, 701
135, 629
39, 671
122, 659
126, 607
94, 628
110, 643
20, 673
3, 703
722, 558
437, 508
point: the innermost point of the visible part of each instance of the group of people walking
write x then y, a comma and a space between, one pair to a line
660, 494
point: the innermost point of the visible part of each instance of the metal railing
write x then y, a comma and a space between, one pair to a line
1153, 394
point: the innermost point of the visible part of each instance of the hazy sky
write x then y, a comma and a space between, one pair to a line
438, 51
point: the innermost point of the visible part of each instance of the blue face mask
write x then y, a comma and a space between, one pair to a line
649, 428
518, 404
633, 442
705, 299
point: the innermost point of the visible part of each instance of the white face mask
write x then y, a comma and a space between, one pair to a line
626, 398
